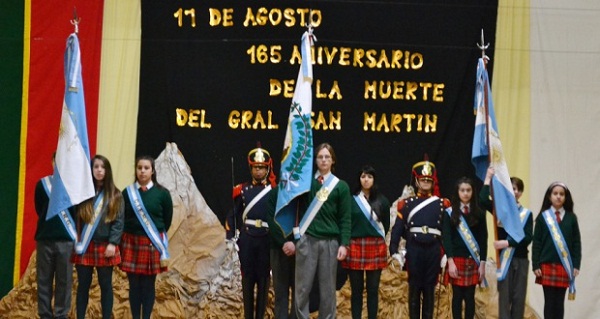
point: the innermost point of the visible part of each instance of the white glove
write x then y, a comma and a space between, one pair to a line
232, 244
444, 261
400, 258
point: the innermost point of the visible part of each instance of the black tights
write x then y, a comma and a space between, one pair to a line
554, 302
459, 294
84, 279
357, 284
141, 295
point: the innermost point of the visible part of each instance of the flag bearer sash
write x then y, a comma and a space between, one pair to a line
159, 240
88, 229
317, 202
469, 240
507, 253
255, 200
365, 207
561, 248
64, 216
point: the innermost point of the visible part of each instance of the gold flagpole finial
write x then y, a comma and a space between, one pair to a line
75, 21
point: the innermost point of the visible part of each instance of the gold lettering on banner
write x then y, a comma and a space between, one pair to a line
222, 17
180, 13
251, 120
289, 17
361, 58
191, 119
393, 123
404, 90
333, 122
286, 88
263, 54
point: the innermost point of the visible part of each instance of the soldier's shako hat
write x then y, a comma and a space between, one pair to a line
259, 156
424, 170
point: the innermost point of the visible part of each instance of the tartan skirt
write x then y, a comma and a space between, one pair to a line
468, 272
553, 275
94, 256
366, 253
139, 255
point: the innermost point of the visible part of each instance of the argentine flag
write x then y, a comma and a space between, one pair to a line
72, 179
502, 193
296, 162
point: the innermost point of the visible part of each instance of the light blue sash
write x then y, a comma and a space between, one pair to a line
469, 240
317, 202
159, 240
561, 248
507, 253
365, 207
88, 229
64, 216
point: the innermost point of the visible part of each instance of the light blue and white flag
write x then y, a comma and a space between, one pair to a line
503, 196
296, 164
72, 179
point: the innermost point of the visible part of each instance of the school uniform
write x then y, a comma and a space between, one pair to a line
512, 291
316, 250
53, 250
367, 253
466, 264
544, 256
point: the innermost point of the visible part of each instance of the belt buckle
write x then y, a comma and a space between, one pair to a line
425, 229
258, 223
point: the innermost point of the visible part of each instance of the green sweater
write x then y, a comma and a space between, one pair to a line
333, 219
455, 246
544, 251
361, 225
159, 206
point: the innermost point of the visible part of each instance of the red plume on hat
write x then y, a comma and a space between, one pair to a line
426, 170
260, 156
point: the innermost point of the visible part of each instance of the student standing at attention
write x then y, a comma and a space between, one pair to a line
465, 243
101, 222
324, 231
144, 246
514, 261
367, 254
556, 251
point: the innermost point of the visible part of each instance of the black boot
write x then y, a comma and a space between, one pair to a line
428, 302
414, 302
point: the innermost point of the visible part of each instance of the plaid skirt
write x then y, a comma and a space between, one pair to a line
139, 255
468, 272
94, 256
366, 253
553, 275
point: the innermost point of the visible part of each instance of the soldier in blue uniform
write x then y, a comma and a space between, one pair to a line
419, 221
249, 217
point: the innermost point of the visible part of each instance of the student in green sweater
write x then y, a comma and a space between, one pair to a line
514, 262
324, 234
367, 253
54, 244
144, 247
556, 234
464, 236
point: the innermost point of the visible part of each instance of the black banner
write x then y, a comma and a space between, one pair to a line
392, 81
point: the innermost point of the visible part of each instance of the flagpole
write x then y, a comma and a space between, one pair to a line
483, 46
